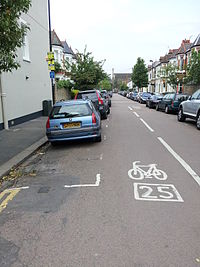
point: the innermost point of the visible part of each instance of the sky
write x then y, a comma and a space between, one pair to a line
120, 31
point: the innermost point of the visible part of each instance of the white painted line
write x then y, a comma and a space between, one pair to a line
18, 188
97, 183
150, 129
181, 161
130, 108
136, 114
104, 138
106, 125
101, 156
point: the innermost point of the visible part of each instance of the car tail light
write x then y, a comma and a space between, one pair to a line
100, 100
48, 124
94, 120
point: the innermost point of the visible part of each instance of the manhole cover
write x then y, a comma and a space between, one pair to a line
44, 189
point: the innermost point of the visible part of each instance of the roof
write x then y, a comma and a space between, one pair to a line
196, 42
55, 39
67, 49
72, 102
185, 45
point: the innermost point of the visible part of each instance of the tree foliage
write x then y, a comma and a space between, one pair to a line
86, 73
193, 69
140, 74
123, 86
169, 73
11, 32
105, 84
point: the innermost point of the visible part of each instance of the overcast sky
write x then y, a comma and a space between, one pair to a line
120, 31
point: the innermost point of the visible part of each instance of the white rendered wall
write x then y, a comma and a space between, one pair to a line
25, 96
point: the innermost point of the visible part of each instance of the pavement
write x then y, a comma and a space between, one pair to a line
19, 142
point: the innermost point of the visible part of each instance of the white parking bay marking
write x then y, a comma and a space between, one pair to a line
194, 175
130, 108
98, 179
156, 192
136, 114
150, 129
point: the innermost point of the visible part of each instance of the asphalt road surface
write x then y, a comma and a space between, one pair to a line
131, 200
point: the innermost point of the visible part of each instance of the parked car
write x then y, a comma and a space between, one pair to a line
138, 96
106, 95
153, 100
110, 93
143, 97
99, 102
72, 120
170, 102
190, 109
134, 95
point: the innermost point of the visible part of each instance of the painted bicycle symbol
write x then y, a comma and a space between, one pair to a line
140, 172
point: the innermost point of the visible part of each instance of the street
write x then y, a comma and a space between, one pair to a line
131, 200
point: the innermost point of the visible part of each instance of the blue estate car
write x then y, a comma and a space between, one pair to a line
72, 120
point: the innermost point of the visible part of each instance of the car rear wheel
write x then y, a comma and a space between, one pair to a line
98, 139
104, 116
181, 116
166, 109
198, 121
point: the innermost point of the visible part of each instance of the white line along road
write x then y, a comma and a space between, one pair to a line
130, 108
98, 179
150, 129
136, 114
181, 161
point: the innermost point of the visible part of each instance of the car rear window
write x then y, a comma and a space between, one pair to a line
91, 96
180, 96
69, 111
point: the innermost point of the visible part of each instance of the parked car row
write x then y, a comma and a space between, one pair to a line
79, 118
184, 105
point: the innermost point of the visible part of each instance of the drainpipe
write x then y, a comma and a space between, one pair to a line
3, 103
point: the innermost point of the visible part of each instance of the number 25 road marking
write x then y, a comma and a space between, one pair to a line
156, 192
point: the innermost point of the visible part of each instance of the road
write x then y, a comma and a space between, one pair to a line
90, 204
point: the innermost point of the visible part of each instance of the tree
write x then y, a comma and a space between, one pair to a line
86, 73
11, 32
169, 74
193, 69
105, 84
123, 86
140, 74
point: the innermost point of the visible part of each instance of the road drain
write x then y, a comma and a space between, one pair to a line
44, 189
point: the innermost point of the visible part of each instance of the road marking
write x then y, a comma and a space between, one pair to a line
156, 192
11, 194
150, 129
106, 125
136, 114
130, 108
104, 138
101, 156
98, 179
150, 171
20, 188
181, 161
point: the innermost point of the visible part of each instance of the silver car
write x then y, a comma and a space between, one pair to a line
191, 109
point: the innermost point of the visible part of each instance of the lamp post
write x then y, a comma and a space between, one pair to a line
151, 74
50, 48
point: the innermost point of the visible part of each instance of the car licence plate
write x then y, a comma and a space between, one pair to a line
72, 125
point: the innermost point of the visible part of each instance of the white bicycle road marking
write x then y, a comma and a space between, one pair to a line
140, 172
186, 166
156, 192
150, 129
97, 183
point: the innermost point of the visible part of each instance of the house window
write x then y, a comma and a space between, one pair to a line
25, 46
26, 55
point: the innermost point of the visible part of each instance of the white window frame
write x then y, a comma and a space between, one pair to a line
25, 47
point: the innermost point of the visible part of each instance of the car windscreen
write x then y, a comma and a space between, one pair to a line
178, 97
69, 111
91, 96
